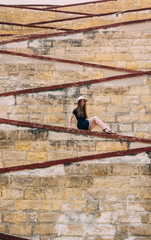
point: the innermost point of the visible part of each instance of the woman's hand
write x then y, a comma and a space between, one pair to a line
70, 120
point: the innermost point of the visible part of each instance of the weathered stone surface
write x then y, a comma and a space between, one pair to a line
140, 230
103, 199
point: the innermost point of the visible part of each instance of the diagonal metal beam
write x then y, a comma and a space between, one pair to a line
74, 160
74, 131
5, 236
40, 36
33, 26
85, 64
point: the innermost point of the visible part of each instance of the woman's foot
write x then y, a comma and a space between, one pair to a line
108, 131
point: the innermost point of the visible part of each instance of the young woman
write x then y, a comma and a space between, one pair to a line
81, 115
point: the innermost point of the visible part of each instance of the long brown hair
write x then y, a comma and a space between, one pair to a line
81, 110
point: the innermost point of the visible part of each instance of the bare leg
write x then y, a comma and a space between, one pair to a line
95, 121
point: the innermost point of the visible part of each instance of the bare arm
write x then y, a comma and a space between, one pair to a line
70, 120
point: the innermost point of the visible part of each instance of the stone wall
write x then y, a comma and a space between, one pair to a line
82, 201
122, 104
102, 199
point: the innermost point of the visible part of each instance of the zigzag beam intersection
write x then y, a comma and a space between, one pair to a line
39, 36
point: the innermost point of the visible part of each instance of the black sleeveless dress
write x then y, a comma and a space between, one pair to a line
82, 123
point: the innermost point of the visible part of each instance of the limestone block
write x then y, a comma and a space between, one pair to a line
36, 118
75, 182
22, 146
118, 108
54, 109
47, 182
13, 155
14, 217
41, 146
3, 228
103, 57
36, 109
125, 127
123, 57
55, 193
6, 204
111, 146
3, 181
50, 217
126, 118
140, 230
11, 194
87, 58
73, 193
111, 182
130, 99
123, 217
54, 118
53, 155
144, 65
145, 193
135, 207
116, 99
117, 193
7, 101
141, 127
94, 193
34, 193
112, 206
46, 75
17, 110
44, 229
145, 118
100, 170
97, 74
3, 109
92, 206
23, 181
80, 205
148, 109
36, 157
20, 229
121, 230
33, 205
132, 65
139, 108
74, 230
103, 218
100, 229
143, 90
125, 169
108, 118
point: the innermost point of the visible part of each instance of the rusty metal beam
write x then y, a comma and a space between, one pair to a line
74, 131
74, 160
33, 26
5, 236
40, 36
45, 58
92, 15
75, 84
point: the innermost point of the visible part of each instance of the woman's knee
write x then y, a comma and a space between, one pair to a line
95, 118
